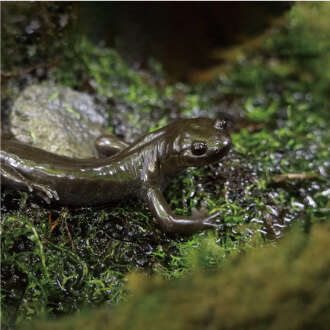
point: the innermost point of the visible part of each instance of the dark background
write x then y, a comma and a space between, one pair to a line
181, 35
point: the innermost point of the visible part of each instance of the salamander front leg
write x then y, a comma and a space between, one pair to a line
11, 177
173, 223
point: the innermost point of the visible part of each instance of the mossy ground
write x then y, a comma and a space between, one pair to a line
58, 261
272, 288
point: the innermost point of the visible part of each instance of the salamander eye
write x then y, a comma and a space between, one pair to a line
198, 148
220, 124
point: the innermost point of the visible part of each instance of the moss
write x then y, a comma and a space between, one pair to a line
286, 287
55, 262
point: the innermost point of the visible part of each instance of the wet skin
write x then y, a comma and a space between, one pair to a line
142, 170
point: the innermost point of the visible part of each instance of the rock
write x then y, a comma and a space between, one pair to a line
59, 120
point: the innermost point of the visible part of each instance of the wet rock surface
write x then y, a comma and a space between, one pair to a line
59, 120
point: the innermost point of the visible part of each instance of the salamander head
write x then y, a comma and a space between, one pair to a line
198, 142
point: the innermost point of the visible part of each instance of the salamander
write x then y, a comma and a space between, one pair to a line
141, 169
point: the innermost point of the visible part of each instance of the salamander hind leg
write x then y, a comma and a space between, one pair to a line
13, 178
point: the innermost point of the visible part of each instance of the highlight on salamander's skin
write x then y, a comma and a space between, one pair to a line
138, 170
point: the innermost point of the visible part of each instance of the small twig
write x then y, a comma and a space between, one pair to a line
63, 218
293, 176
268, 219
55, 224
66, 227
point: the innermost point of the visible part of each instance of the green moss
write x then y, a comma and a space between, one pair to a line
266, 289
